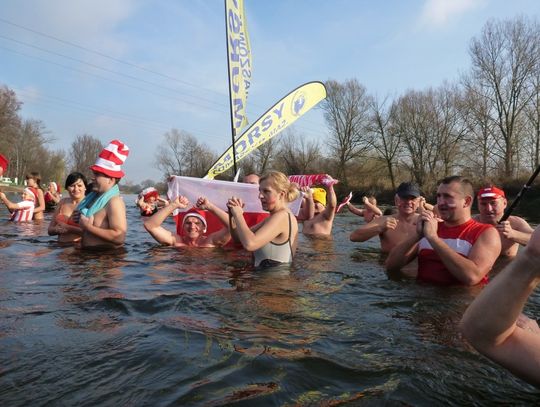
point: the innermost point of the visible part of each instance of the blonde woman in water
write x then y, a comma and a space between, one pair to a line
274, 240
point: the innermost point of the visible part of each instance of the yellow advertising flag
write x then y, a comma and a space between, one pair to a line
277, 118
239, 61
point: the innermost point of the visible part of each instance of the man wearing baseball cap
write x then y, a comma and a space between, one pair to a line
194, 225
452, 249
103, 212
514, 231
392, 229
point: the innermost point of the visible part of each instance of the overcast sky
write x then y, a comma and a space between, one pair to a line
134, 69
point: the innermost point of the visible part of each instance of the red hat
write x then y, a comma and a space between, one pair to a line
3, 162
491, 192
149, 192
111, 158
196, 213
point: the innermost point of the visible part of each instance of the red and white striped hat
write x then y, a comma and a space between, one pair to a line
111, 158
29, 191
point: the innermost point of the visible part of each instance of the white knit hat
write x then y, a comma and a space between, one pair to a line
111, 158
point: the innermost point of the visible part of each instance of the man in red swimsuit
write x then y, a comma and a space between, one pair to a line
453, 249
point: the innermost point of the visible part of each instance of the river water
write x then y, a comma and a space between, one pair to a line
151, 325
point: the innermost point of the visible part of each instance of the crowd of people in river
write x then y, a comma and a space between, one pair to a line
452, 247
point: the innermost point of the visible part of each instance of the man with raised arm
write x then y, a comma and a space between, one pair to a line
514, 231
452, 249
102, 213
493, 323
324, 203
392, 229
369, 211
193, 225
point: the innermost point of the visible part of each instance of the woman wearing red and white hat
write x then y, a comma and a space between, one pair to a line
52, 196
33, 181
149, 201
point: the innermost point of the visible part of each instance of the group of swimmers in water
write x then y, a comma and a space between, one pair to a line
452, 247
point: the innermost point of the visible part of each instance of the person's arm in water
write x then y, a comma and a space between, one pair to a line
489, 323
153, 223
403, 253
469, 270
116, 218
376, 227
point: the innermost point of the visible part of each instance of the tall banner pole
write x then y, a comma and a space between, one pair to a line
239, 66
233, 130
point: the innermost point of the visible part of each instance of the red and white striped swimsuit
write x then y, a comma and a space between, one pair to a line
24, 213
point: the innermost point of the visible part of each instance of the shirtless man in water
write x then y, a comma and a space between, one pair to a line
324, 203
392, 229
102, 213
193, 225
513, 232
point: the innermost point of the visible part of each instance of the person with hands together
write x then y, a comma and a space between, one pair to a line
453, 249
62, 223
514, 231
194, 225
274, 240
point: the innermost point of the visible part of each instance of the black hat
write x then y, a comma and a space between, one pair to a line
406, 189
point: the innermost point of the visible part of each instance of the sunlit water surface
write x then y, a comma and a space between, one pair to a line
151, 325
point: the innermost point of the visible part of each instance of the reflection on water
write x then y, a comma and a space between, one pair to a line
150, 325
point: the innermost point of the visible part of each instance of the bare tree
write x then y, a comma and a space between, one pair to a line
384, 138
298, 155
430, 128
451, 130
504, 57
28, 149
83, 153
10, 124
532, 113
261, 159
346, 110
53, 166
478, 156
181, 154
